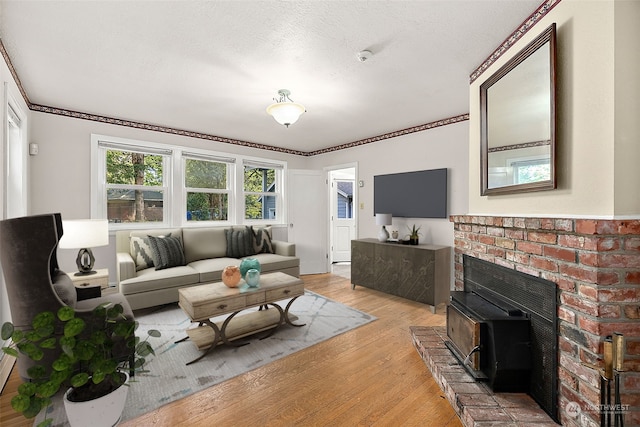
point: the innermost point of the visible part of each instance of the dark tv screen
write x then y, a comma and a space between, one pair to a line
419, 194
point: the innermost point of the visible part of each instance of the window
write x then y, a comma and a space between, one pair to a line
207, 187
262, 192
533, 170
171, 186
136, 184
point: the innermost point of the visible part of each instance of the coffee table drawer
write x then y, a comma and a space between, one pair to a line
255, 298
285, 292
208, 309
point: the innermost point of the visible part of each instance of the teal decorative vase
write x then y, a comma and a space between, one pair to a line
253, 278
247, 264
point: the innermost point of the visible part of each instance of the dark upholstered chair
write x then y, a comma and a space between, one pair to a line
35, 283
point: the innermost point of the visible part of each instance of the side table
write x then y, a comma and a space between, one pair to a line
101, 278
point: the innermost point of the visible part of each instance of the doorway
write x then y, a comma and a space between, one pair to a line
342, 215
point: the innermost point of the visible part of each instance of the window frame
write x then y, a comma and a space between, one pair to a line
175, 201
279, 169
231, 166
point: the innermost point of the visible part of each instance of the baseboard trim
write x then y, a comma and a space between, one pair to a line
6, 364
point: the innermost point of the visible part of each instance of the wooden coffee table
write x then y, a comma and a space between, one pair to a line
204, 302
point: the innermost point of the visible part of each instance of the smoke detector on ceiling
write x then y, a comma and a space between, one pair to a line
364, 55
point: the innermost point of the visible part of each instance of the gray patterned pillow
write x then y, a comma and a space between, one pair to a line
167, 251
262, 240
141, 252
239, 242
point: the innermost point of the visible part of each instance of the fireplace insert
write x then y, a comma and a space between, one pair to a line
491, 339
501, 315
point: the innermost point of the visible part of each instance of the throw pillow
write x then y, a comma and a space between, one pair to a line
141, 252
167, 251
239, 242
64, 288
262, 240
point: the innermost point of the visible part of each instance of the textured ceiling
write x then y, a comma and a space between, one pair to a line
214, 66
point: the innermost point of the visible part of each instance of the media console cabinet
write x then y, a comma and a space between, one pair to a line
420, 273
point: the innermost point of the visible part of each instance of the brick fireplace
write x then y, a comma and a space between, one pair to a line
596, 265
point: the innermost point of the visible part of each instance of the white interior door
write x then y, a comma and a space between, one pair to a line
343, 224
308, 219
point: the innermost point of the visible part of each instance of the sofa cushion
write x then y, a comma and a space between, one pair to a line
141, 252
239, 242
210, 270
150, 279
272, 262
167, 251
204, 243
262, 240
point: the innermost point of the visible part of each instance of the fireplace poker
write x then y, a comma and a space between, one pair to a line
605, 409
618, 366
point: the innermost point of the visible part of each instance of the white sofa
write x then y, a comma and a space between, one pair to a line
205, 253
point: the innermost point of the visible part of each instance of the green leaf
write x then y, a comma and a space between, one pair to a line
79, 380
20, 403
49, 343
115, 311
154, 333
48, 389
73, 327
35, 407
46, 423
6, 331
66, 313
68, 344
33, 336
27, 389
44, 319
31, 350
62, 363
10, 351
60, 376
98, 377
85, 350
45, 330
17, 336
37, 371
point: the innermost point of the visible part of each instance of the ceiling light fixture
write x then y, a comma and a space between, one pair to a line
284, 110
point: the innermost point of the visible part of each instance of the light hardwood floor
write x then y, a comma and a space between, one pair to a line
370, 376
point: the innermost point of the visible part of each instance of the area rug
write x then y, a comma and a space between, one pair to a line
170, 379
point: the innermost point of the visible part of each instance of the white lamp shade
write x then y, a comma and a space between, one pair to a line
286, 113
84, 233
383, 219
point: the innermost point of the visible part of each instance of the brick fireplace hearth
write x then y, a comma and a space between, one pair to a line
596, 266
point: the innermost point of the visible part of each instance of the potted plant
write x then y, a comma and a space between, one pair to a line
86, 364
414, 235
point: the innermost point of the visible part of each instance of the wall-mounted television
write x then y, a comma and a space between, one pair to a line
418, 194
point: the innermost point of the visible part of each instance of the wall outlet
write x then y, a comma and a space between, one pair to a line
361, 205
33, 149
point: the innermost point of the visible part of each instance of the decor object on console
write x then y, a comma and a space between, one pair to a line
383, 219
249, 264
414, 235
85, 234
231, 276
284, 110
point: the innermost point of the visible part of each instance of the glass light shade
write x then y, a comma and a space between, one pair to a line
84, 233
286, 113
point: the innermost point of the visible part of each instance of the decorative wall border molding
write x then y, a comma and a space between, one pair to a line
419, 128
528, 24
518, 146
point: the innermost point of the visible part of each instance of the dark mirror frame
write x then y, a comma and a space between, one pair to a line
548, 36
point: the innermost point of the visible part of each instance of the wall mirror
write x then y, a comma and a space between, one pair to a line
517, 121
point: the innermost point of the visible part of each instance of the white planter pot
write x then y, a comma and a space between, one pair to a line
104, 411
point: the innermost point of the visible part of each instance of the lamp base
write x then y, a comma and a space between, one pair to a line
383, 236
85, 261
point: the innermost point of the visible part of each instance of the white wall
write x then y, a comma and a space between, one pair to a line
597, 106
442, 147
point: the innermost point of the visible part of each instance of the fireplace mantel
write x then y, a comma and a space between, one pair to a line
596, 265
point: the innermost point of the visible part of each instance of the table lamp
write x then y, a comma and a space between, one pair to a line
84, 234
383, 219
